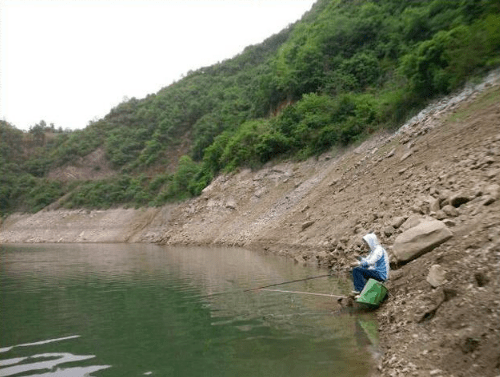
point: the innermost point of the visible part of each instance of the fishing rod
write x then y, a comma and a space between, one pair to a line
286, 282
304, 293
267, 286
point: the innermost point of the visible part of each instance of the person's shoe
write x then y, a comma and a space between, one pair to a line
354, 294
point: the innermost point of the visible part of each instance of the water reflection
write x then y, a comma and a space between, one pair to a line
47, 364
147, 310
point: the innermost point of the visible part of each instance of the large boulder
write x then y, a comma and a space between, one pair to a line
420, 239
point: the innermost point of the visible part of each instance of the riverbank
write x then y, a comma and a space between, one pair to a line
440, 174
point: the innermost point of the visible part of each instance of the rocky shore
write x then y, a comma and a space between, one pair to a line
431, 193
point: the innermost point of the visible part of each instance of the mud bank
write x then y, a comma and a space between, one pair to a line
83, 226
442, 168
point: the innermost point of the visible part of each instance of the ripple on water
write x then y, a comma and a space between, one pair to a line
50, 364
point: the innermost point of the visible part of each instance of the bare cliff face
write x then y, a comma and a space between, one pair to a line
438, 176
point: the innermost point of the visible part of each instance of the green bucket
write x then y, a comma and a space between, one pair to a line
372, 294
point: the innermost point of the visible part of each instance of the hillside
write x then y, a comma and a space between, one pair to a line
444, 164
346, 70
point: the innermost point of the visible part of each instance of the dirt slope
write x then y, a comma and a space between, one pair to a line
317, 211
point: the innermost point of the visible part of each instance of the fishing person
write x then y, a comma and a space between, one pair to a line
375, 265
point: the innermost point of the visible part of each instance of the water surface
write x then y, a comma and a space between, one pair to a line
135, 310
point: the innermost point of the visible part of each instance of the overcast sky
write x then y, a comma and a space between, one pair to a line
70, 61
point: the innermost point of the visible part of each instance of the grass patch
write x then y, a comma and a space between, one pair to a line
484, 100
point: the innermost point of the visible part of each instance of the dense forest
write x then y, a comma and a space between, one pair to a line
346, 69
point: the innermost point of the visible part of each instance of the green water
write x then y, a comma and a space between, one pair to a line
135, 310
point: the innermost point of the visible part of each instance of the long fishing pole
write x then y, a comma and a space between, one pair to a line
286, 282
304, 293
267, 286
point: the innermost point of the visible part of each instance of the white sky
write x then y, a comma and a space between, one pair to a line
70, 61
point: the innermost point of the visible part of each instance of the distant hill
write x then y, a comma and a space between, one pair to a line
346, 69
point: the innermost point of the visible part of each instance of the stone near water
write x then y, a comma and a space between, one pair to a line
436, 276
420, 239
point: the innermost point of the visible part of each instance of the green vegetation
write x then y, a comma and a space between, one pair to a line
346, 69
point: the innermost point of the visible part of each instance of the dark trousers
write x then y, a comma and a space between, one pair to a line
360, 276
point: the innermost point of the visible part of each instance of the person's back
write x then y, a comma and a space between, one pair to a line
377, 258
375, 265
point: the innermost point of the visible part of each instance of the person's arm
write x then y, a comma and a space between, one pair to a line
372, 258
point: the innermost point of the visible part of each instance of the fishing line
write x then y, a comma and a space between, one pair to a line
266, 286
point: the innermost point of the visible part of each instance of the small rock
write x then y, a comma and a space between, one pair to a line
299, 259
481, 279
398, 221
433, 191
493, 190
397, 274
493, 173
449, 223
391, 153
389, 230
334, 182
440, 215
436, 276
435, 205
488, 199
411, 222
307, 224
488, 160
231, 204
450, 211
406, 155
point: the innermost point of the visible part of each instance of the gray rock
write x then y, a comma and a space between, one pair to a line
412, 221
434, 191
406, 155
231, 204
450, 211
493, 173
402, 171
449, 223
398, 221
488, 199
334, 182
436, 276
440, 215
389, 231
420, 239
493, 190
307, 224
434, 205
260, 192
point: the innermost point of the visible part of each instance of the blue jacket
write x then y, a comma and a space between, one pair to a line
378, 259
